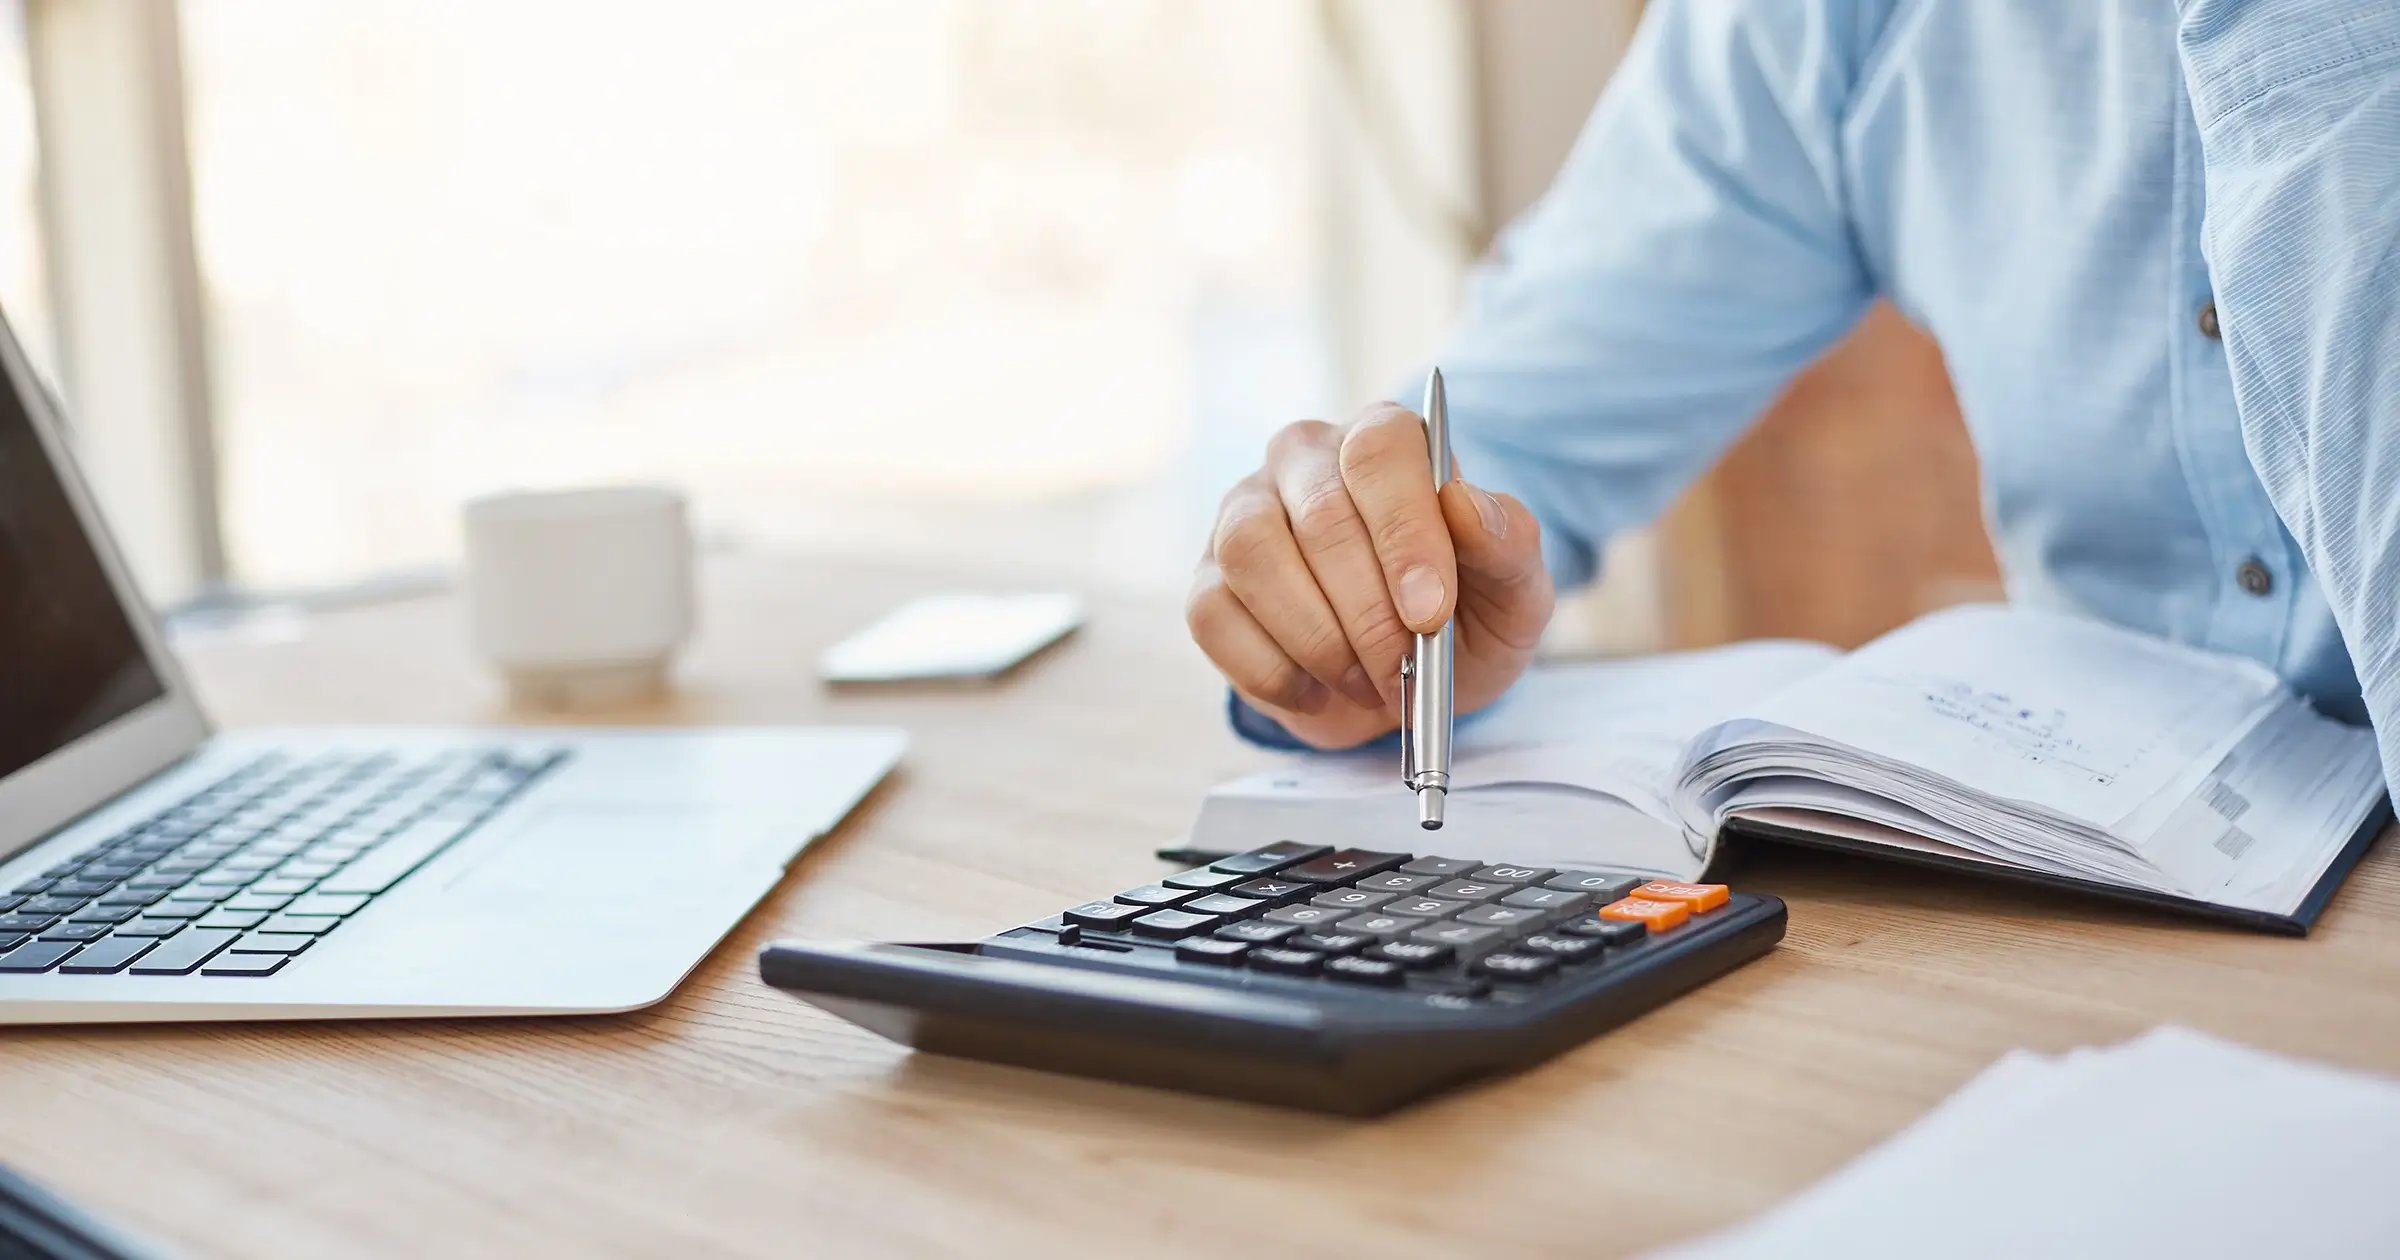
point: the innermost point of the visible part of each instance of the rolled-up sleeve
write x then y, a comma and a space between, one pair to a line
2298, 108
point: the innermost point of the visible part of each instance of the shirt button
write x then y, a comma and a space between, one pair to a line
2208, 322
2253, 577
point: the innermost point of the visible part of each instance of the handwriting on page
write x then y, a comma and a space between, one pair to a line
2034, 735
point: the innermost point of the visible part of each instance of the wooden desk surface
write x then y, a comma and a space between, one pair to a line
734, 1121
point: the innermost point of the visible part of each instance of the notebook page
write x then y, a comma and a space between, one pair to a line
2085, 719
1617, 727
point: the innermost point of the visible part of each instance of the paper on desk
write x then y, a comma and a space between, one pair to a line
2175, 1143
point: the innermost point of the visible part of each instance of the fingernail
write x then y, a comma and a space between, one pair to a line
1487, 510
1420, 595
1361, 689
1312, 698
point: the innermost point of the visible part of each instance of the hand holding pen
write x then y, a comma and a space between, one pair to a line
1327, 561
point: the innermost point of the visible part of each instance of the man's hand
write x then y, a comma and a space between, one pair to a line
1324, 563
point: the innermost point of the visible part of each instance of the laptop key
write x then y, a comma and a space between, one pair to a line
335, 904
147, 926
182, 953
104, 914
231, 964
12, 940
257, 901
26, 922
101, 958
258, 943
277, 886
69, 932
239, 920
313, 924
37, 955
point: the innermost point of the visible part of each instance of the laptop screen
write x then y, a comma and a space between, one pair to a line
70, 662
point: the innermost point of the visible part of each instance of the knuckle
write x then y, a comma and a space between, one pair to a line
1246, 540
1300, 435
1208, 605
1323, 513
1380, 639
1377, 438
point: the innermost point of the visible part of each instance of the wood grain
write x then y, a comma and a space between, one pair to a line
732, 1121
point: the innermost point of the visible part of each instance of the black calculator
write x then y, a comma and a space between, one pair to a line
1342, 980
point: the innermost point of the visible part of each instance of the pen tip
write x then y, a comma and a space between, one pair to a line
1429, 808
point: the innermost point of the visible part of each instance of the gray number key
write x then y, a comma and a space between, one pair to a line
1396, 882
1381, 925
1425, 907
1466, 940
1350, 899
1513, 920
1512, 874
1447, 868
1603, 888
1554, 900
1470, 890
1305, 916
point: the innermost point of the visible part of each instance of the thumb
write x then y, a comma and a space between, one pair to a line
1503, 582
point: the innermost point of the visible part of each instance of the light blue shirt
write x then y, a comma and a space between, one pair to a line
2054, 190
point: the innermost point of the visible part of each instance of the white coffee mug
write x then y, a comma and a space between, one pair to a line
582, 597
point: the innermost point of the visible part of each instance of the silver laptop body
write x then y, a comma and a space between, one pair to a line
156, 870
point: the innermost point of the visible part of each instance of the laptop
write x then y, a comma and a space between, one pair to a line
157, 870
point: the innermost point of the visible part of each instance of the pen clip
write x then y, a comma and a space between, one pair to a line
1408, 731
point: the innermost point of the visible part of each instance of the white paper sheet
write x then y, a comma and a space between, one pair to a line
2173, 1144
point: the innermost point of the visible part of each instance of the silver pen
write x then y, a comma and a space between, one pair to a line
1426, 700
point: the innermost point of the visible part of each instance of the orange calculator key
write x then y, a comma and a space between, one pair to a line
1658, 916
1702, 898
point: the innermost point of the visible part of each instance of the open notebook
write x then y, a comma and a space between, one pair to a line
2003, 741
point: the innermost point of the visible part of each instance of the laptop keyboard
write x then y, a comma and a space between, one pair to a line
252, 870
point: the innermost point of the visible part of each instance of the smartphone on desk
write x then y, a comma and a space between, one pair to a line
956, 637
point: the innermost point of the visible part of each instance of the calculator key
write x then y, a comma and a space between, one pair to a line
1603, 888
1286, 962
1220, 903
1554, 900
1210, 949
1396, 882
1425, 907
1204, 879
1470, 890
1331, 942
1512, 874
1441, 867
1414, 955
1349, 899
1566, 949
1381, 925
1172, 924
1515, 968
1510, 919
37, 955
1658, 916
1344, 865
1605, 931
1702, 898
1373, 971
1255, 932
1305, 916
1274, 890
101, 958
1274, 857
1107, 916
1466, 940
1152, 895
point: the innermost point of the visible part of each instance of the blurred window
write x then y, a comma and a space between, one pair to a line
24, 291
842, 268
